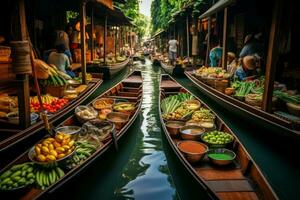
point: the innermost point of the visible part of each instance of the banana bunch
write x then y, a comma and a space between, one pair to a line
84, 150
56, 78
46, 177
45, 99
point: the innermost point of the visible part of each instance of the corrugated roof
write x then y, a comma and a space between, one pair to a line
220, 5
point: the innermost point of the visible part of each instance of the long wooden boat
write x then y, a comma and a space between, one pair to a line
11, 136
289, 128
240, 180
176, 70
109, 71
130, 89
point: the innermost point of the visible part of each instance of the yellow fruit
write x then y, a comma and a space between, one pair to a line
65, 141
71, 143
45, 150
56, 144
69, 151
53, 152
59, 138
60, 150
66, 147
61, 155
66, 136
37, 150
51, 157
39, 145
51, 147
45, 143
41, 158
50, 140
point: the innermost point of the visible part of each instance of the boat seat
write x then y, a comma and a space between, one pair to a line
230, 186
223, 174
237, 196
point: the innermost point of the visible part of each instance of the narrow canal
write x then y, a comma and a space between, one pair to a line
139, 170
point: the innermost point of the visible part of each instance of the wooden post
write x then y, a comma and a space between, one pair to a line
23, 85
82, 38
271, 59
187, 36
104, 40
92, 30
130, 44
116, 31
224, 52
208, 41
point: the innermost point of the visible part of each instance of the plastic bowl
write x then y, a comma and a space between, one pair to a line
118, 118
13, 117
191, 132
71, 130
218, 161
173, 127
192, 157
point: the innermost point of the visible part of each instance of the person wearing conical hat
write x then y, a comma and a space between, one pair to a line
247, 69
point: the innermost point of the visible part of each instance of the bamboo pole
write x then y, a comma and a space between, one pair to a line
271, 58
104, 40
116, 31
208, 41
82, 37
23, 85
187, 36
92, 30
224, 52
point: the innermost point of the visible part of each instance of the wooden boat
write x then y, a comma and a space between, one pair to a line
289, 127
239, 180
11, 136
130, 89
108, 71
175, 71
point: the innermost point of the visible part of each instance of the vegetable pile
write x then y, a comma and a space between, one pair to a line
46, 177
217, 137
203, 115
171, 103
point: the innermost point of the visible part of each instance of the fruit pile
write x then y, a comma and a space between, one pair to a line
217, 137
46, 177
52, 149
50, 103
17, 176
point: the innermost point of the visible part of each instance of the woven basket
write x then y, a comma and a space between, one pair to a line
252, 101
221, 85
56, 91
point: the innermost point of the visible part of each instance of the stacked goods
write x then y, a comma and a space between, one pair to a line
17, 176
46, 177
7, 104
21, 57
203, 115
212, 72
50, 103
52, 149
56, 78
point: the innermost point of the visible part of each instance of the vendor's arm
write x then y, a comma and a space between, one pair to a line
240, 74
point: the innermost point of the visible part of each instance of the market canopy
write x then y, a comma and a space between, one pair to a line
220, 5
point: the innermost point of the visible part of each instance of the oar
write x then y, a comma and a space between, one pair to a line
114, 138
43, 112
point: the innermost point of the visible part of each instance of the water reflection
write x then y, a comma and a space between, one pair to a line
146, 175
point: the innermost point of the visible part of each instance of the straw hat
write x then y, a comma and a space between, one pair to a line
231, 55
249, 62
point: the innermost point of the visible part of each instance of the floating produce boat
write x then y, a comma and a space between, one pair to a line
289, 124
176, 70
78, 141
11, 136
207, 148
110, 70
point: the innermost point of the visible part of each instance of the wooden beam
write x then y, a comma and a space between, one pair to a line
271, 58
23, 84
82, 37
116, 32
208, 41
92, 33
187, 36
224, 43
104, 40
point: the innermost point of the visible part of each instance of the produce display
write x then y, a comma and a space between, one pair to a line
56, 78
50, 103
217, 137
86, 113
212, 72
203, 115
52, 149
17, 176
171, 103
123, 107
7, 104
46, 177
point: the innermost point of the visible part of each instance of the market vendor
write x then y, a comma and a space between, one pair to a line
232, 63
61, 60
252, 46
215, 54
172, 50
247, 69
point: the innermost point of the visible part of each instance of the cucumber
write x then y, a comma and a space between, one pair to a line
52, 81
6, 174
17, 173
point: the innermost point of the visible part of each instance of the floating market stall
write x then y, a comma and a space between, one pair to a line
219, 162
79, 140
269, 102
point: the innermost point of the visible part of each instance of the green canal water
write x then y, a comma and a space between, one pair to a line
146, 168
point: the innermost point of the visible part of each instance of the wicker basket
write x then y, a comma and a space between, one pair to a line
56, 91
253, 102
221, 85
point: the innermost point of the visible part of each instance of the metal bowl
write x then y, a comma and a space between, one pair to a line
194, 102
202, 124
221, 162
211, 145
187, 135
173, 127
58, 162
71, 130
126, 111
192, 157
118, 118
110, 102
